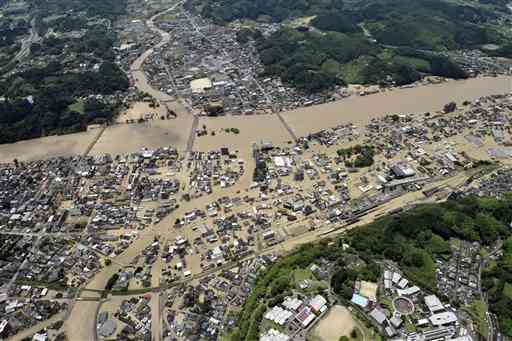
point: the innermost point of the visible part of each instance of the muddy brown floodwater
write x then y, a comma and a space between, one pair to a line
359, 110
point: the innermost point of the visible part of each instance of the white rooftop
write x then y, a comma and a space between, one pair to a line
274, 335
317, 302
278, 315
433, 303
443, 318
403, 283
409, 291
396, 277
292, 303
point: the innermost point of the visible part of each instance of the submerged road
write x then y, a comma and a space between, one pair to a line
162, 228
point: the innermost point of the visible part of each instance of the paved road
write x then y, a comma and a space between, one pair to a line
95, 140
98, 283
27, 42
287, 126
163, 227
155, 303
31, 234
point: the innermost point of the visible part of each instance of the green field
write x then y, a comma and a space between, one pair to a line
507, 290
417, 63
78, 106
167, 17
477, 311
299, 275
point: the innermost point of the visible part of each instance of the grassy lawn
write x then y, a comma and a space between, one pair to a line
455, 243
477, 311
167, 17
369, 333
417, 63
409, 326
507, 290
483, 252
491, 265
386, 302
78, 106
299, 275
267, 324
42, 284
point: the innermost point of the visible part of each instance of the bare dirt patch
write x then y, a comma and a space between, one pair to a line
251, 129
369, 290
336, 323
139, 110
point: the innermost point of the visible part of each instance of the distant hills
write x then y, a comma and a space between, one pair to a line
375, 41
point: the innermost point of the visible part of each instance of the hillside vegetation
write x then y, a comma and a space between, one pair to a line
426, 24
314, 62
49, 110
497, 281
41, 100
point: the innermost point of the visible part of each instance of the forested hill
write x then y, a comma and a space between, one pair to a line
70, 79
429, 24
102, 8
47, 101
416, 237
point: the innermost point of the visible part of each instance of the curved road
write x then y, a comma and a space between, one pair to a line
27, 42
82, 319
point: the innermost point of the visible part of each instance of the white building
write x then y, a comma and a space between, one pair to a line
433, 303
274, 335
443, 318
318, 303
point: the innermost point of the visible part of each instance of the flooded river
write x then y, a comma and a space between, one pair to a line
360, 110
